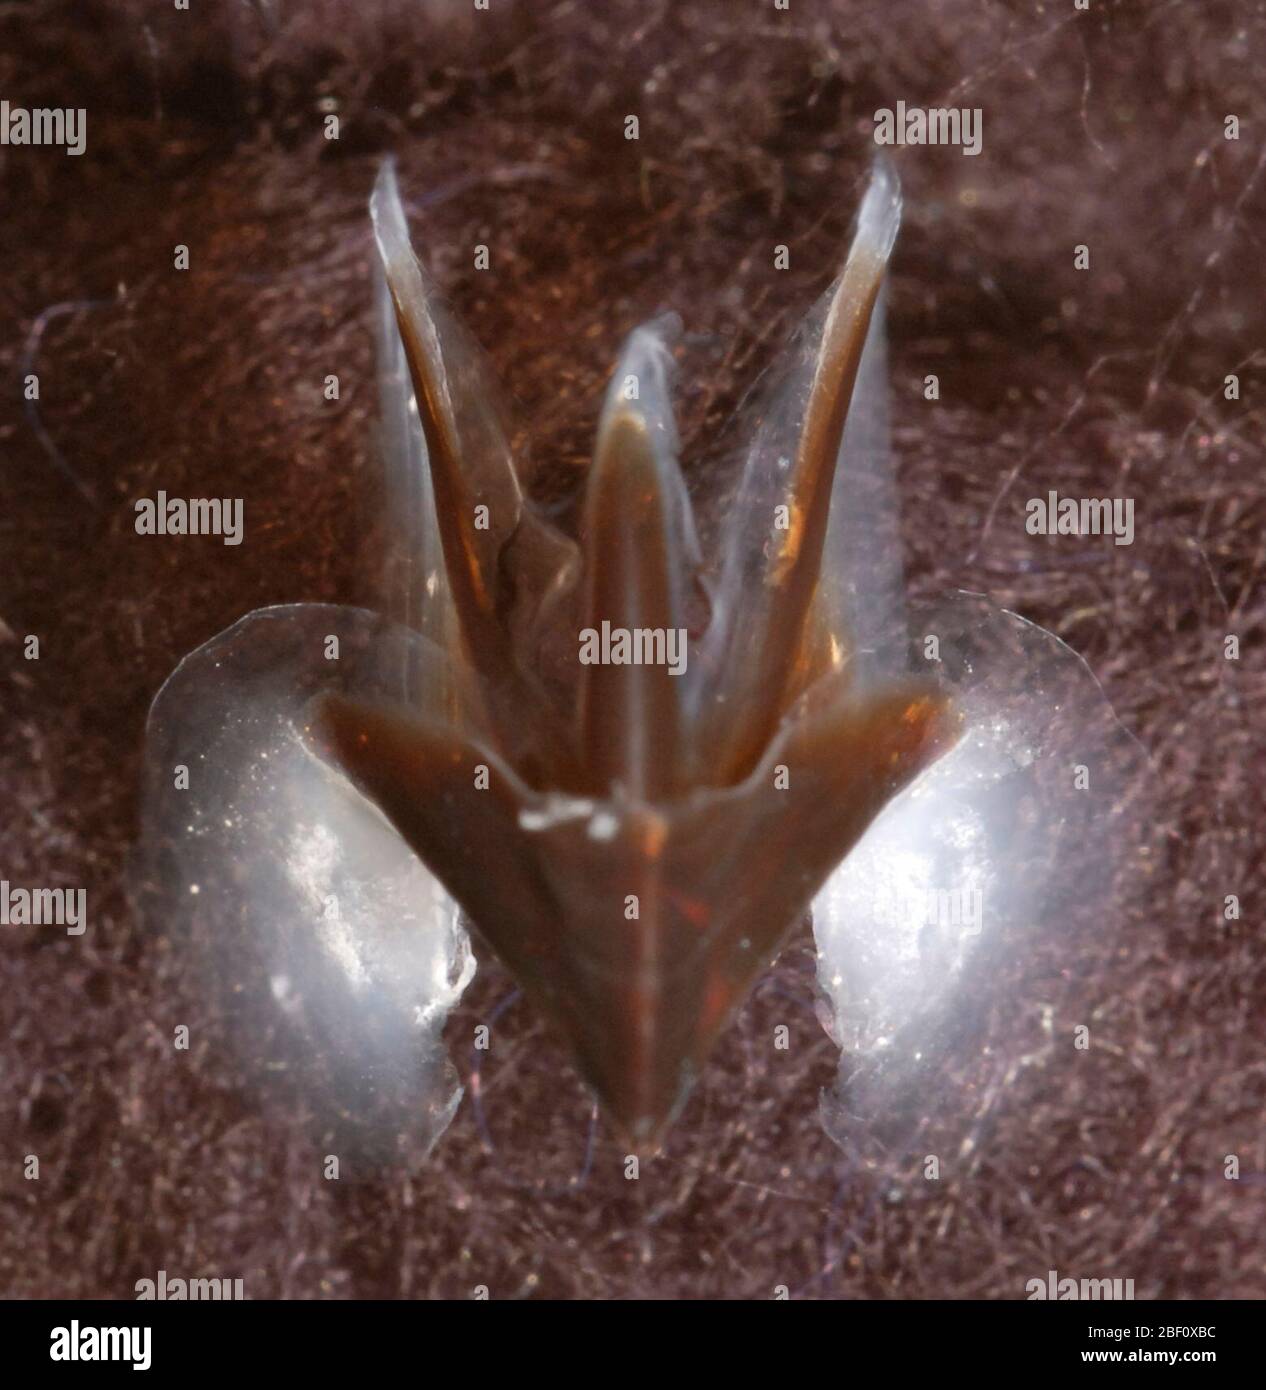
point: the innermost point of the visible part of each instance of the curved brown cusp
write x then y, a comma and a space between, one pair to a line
654, 788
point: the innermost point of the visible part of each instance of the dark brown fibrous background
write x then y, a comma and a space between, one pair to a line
1104, 128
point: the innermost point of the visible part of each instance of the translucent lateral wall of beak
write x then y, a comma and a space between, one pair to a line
860, 603
496, 550
469, 460
639, 551
771, 551
414, 578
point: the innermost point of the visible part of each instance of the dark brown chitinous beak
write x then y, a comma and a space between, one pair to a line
634, 841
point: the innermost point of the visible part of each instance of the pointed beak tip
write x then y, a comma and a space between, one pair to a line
640, 1124
879, 216
643, 1136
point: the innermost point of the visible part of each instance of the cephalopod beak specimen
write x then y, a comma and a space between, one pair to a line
631, 763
